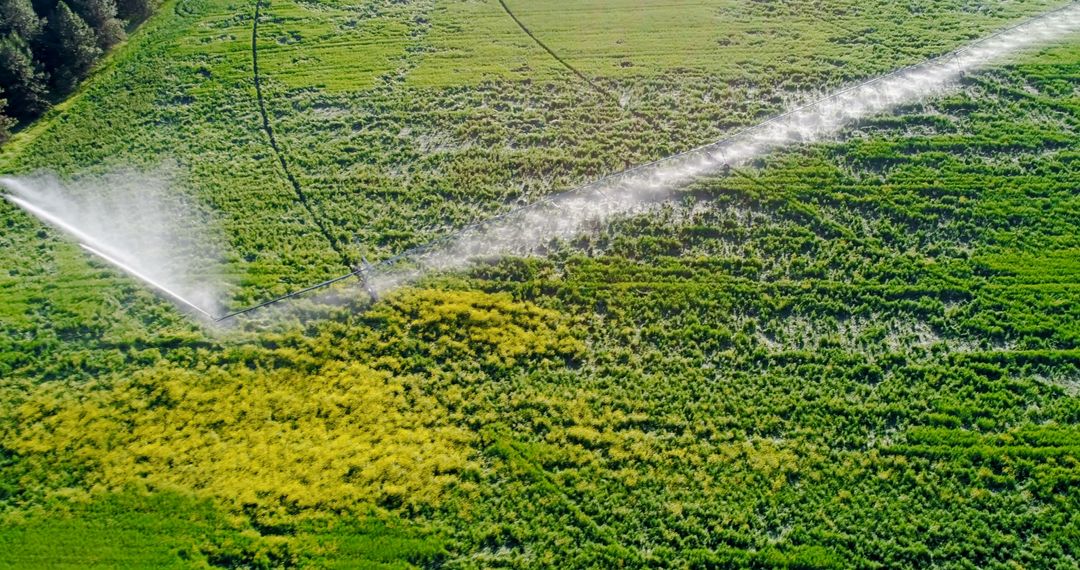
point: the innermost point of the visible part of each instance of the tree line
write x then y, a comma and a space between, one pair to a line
48, 46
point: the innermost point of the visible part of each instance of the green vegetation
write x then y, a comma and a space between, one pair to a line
168, 530
48, 46
863, 353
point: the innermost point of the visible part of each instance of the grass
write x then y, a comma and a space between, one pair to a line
803, 42
116, 532
862, 353
170, 530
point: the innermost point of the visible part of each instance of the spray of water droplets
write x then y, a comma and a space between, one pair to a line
527, 230
132, 221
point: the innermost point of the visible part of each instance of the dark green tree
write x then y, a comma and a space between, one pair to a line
136, 11
18, 17
101, 16
43, 7
6, 122
73, 45
22, 79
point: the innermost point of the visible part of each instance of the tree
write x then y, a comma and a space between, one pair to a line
136, 11
17, 17
74, 47
101, 16
6, 122
44, 6
22, 79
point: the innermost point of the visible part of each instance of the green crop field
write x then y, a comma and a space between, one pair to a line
858, 353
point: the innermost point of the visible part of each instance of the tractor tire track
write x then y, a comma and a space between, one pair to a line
596, 86
269, 129
828, 228
570, 67
654, 124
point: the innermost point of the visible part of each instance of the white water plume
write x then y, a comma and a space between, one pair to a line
526, 231
133, 222
126, 220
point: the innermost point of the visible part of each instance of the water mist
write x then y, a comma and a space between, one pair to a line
527, 230
134, 222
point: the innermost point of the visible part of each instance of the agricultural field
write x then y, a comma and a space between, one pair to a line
858, 353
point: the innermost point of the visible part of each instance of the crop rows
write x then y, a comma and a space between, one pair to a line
859, 353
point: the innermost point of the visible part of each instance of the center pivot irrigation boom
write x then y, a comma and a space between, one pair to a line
363, 271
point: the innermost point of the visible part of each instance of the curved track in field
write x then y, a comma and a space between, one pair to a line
596, 86
651, 121
648, 169
269, 129
570, 67
637, 182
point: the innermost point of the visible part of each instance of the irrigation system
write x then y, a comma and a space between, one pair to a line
566, 213
363, 272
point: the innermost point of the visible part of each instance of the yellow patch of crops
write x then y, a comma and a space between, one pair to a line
274, 442
492, 328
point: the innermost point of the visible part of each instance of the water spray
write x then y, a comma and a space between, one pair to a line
138, 274
130, 224
52, 219
524, 230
